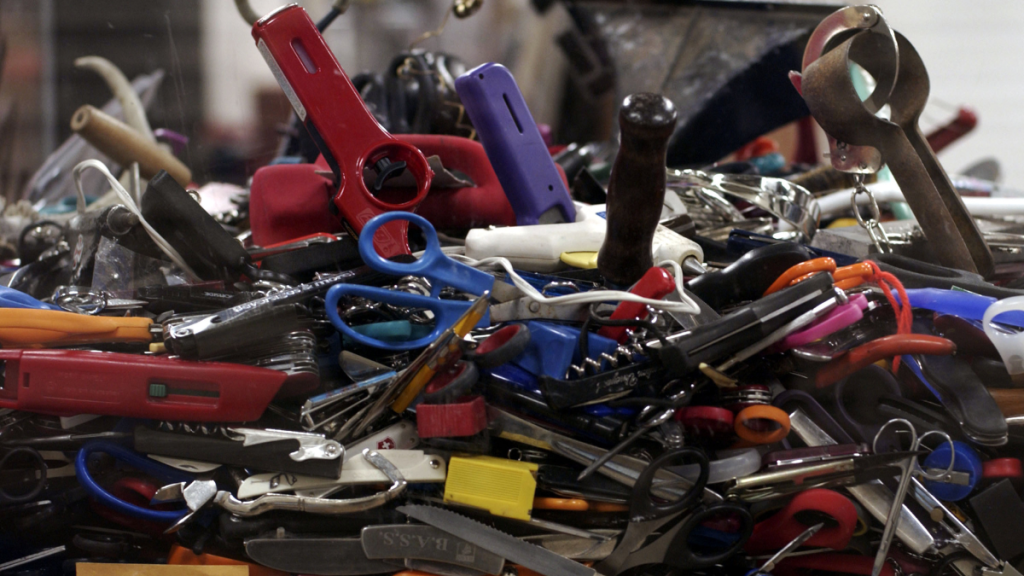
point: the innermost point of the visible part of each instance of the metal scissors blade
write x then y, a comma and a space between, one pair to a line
797, 542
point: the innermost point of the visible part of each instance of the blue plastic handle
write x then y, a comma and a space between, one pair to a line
514, 146
11, 298
434, 265
965, 459
441, 270
966, 305
446, 313
141, 463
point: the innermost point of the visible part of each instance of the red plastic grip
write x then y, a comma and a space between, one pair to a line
656, 283
467, 417
775, 532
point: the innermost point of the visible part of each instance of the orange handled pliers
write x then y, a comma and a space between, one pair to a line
31, 328
844, 278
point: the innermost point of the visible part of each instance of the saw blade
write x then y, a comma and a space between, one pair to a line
509, 547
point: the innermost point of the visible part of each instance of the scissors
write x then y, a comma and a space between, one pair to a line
673, 547
767, 567
434, 265
343, 128
904, 486
844, 278
133, 460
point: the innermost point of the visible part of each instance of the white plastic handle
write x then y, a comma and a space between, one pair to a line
1009, 344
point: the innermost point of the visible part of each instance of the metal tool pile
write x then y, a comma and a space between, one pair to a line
425, 353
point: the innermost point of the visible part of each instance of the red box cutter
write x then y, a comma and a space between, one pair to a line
347, 134
67, 382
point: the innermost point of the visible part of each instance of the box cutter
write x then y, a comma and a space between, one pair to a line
380, 549
415, 466
68, 382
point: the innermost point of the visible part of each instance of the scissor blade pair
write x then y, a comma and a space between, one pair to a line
789, 548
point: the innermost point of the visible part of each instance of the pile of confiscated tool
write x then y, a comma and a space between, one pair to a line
425, 353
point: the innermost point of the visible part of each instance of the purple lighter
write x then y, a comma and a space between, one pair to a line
513, 143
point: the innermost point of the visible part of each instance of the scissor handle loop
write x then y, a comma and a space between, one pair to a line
39, 464
682, 556
136, 461
761, 412
644, 508
446, 313
433, 264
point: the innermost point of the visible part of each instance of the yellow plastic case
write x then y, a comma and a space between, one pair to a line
502, 487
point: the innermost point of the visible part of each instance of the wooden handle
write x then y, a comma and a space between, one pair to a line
124, 145
1010, 400
636, 190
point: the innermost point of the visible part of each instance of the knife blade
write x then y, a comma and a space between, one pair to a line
509, 547
420, 542
315, 556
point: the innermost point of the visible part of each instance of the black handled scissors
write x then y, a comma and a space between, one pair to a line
646, 515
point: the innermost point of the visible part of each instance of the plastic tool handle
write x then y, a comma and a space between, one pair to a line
743, 327
808, 507
748, 277
134, 386
520, 158
880, 349
117, 140
1009, 344
636, 191
656, 283
347, 134
23, 327
479, 206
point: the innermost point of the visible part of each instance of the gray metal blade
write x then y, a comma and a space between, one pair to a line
317, 556
427, 543
509, 547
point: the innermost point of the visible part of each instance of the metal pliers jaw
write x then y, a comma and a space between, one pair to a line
200, 493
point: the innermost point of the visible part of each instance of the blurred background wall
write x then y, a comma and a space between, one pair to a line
220, 93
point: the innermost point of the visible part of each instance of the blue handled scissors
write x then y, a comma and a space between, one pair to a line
141, 463
434, 265
674, 546
11, 298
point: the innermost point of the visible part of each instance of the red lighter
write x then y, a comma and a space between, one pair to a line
67, 382
347, 134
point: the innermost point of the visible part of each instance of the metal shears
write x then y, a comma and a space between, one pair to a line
440, 270
675, 546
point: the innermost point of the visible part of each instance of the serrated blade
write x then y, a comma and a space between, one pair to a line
509, 547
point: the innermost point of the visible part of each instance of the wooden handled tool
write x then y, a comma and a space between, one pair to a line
636, 191
124, 145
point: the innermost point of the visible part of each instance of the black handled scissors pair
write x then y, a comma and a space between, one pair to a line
673, 547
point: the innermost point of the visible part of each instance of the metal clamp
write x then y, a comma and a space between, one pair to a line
311, 446
328, 506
